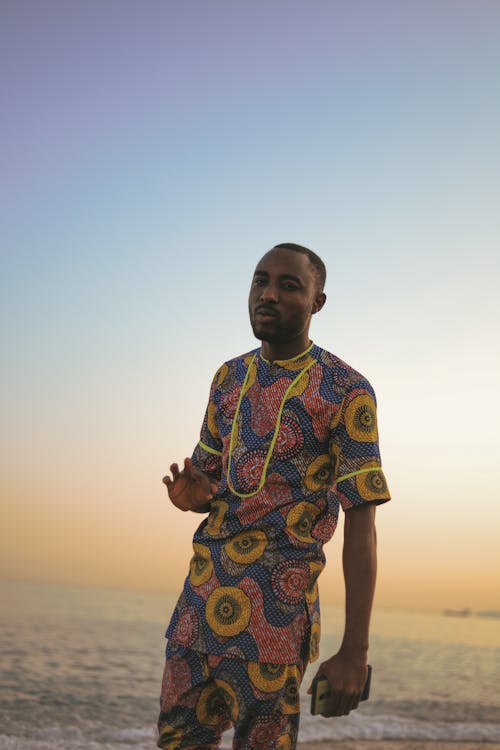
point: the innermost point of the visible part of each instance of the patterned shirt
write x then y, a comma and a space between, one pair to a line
288, 442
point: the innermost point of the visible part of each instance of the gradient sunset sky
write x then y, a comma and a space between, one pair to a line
151, 152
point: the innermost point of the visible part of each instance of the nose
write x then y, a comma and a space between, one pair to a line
269, 293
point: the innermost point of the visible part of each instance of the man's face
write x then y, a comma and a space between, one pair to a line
283, 296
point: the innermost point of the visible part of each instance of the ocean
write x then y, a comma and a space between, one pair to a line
81, 669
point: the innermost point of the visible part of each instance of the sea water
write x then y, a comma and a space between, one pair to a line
81, 668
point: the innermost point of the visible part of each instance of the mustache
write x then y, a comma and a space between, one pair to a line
267, 309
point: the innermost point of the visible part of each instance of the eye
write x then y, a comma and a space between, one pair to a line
290, 286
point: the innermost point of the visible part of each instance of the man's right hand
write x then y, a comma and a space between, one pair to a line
189, 489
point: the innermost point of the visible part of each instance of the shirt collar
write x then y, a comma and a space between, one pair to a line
293, 362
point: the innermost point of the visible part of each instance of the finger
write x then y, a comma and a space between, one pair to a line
346, 703
175, 471
332, 710
343, 704
166, 480
192, 472
335, 707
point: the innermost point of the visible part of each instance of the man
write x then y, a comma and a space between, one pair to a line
289, 434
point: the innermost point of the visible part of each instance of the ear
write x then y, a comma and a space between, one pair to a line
318, 302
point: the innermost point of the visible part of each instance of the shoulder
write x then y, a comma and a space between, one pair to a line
234, 367
343, 376
245, 359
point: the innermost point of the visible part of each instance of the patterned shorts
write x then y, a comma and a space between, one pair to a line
203, 695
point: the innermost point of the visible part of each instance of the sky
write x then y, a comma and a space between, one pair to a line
151, 153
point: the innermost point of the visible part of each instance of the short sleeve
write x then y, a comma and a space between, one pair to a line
354, 449
207, 455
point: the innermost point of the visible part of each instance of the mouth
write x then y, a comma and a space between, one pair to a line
266, 313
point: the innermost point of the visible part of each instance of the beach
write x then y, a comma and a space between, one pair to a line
81, 670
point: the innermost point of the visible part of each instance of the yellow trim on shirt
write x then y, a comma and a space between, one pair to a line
284, 361
355, 473
275, 436
209, 449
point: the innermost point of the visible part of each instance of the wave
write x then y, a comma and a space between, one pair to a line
389, 727
313, 729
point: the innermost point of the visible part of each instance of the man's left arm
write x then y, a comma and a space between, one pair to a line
347, 670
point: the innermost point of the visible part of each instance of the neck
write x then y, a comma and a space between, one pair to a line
287, 350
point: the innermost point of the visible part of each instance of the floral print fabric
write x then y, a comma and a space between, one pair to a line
203, 695
289, 443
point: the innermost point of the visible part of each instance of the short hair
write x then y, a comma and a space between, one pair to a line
319, 267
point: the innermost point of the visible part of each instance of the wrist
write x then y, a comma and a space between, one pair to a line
201, 508
354, 651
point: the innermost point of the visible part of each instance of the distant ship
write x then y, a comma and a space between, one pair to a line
466, 612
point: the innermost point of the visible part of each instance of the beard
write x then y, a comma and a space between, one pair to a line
277, 332
270, 332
